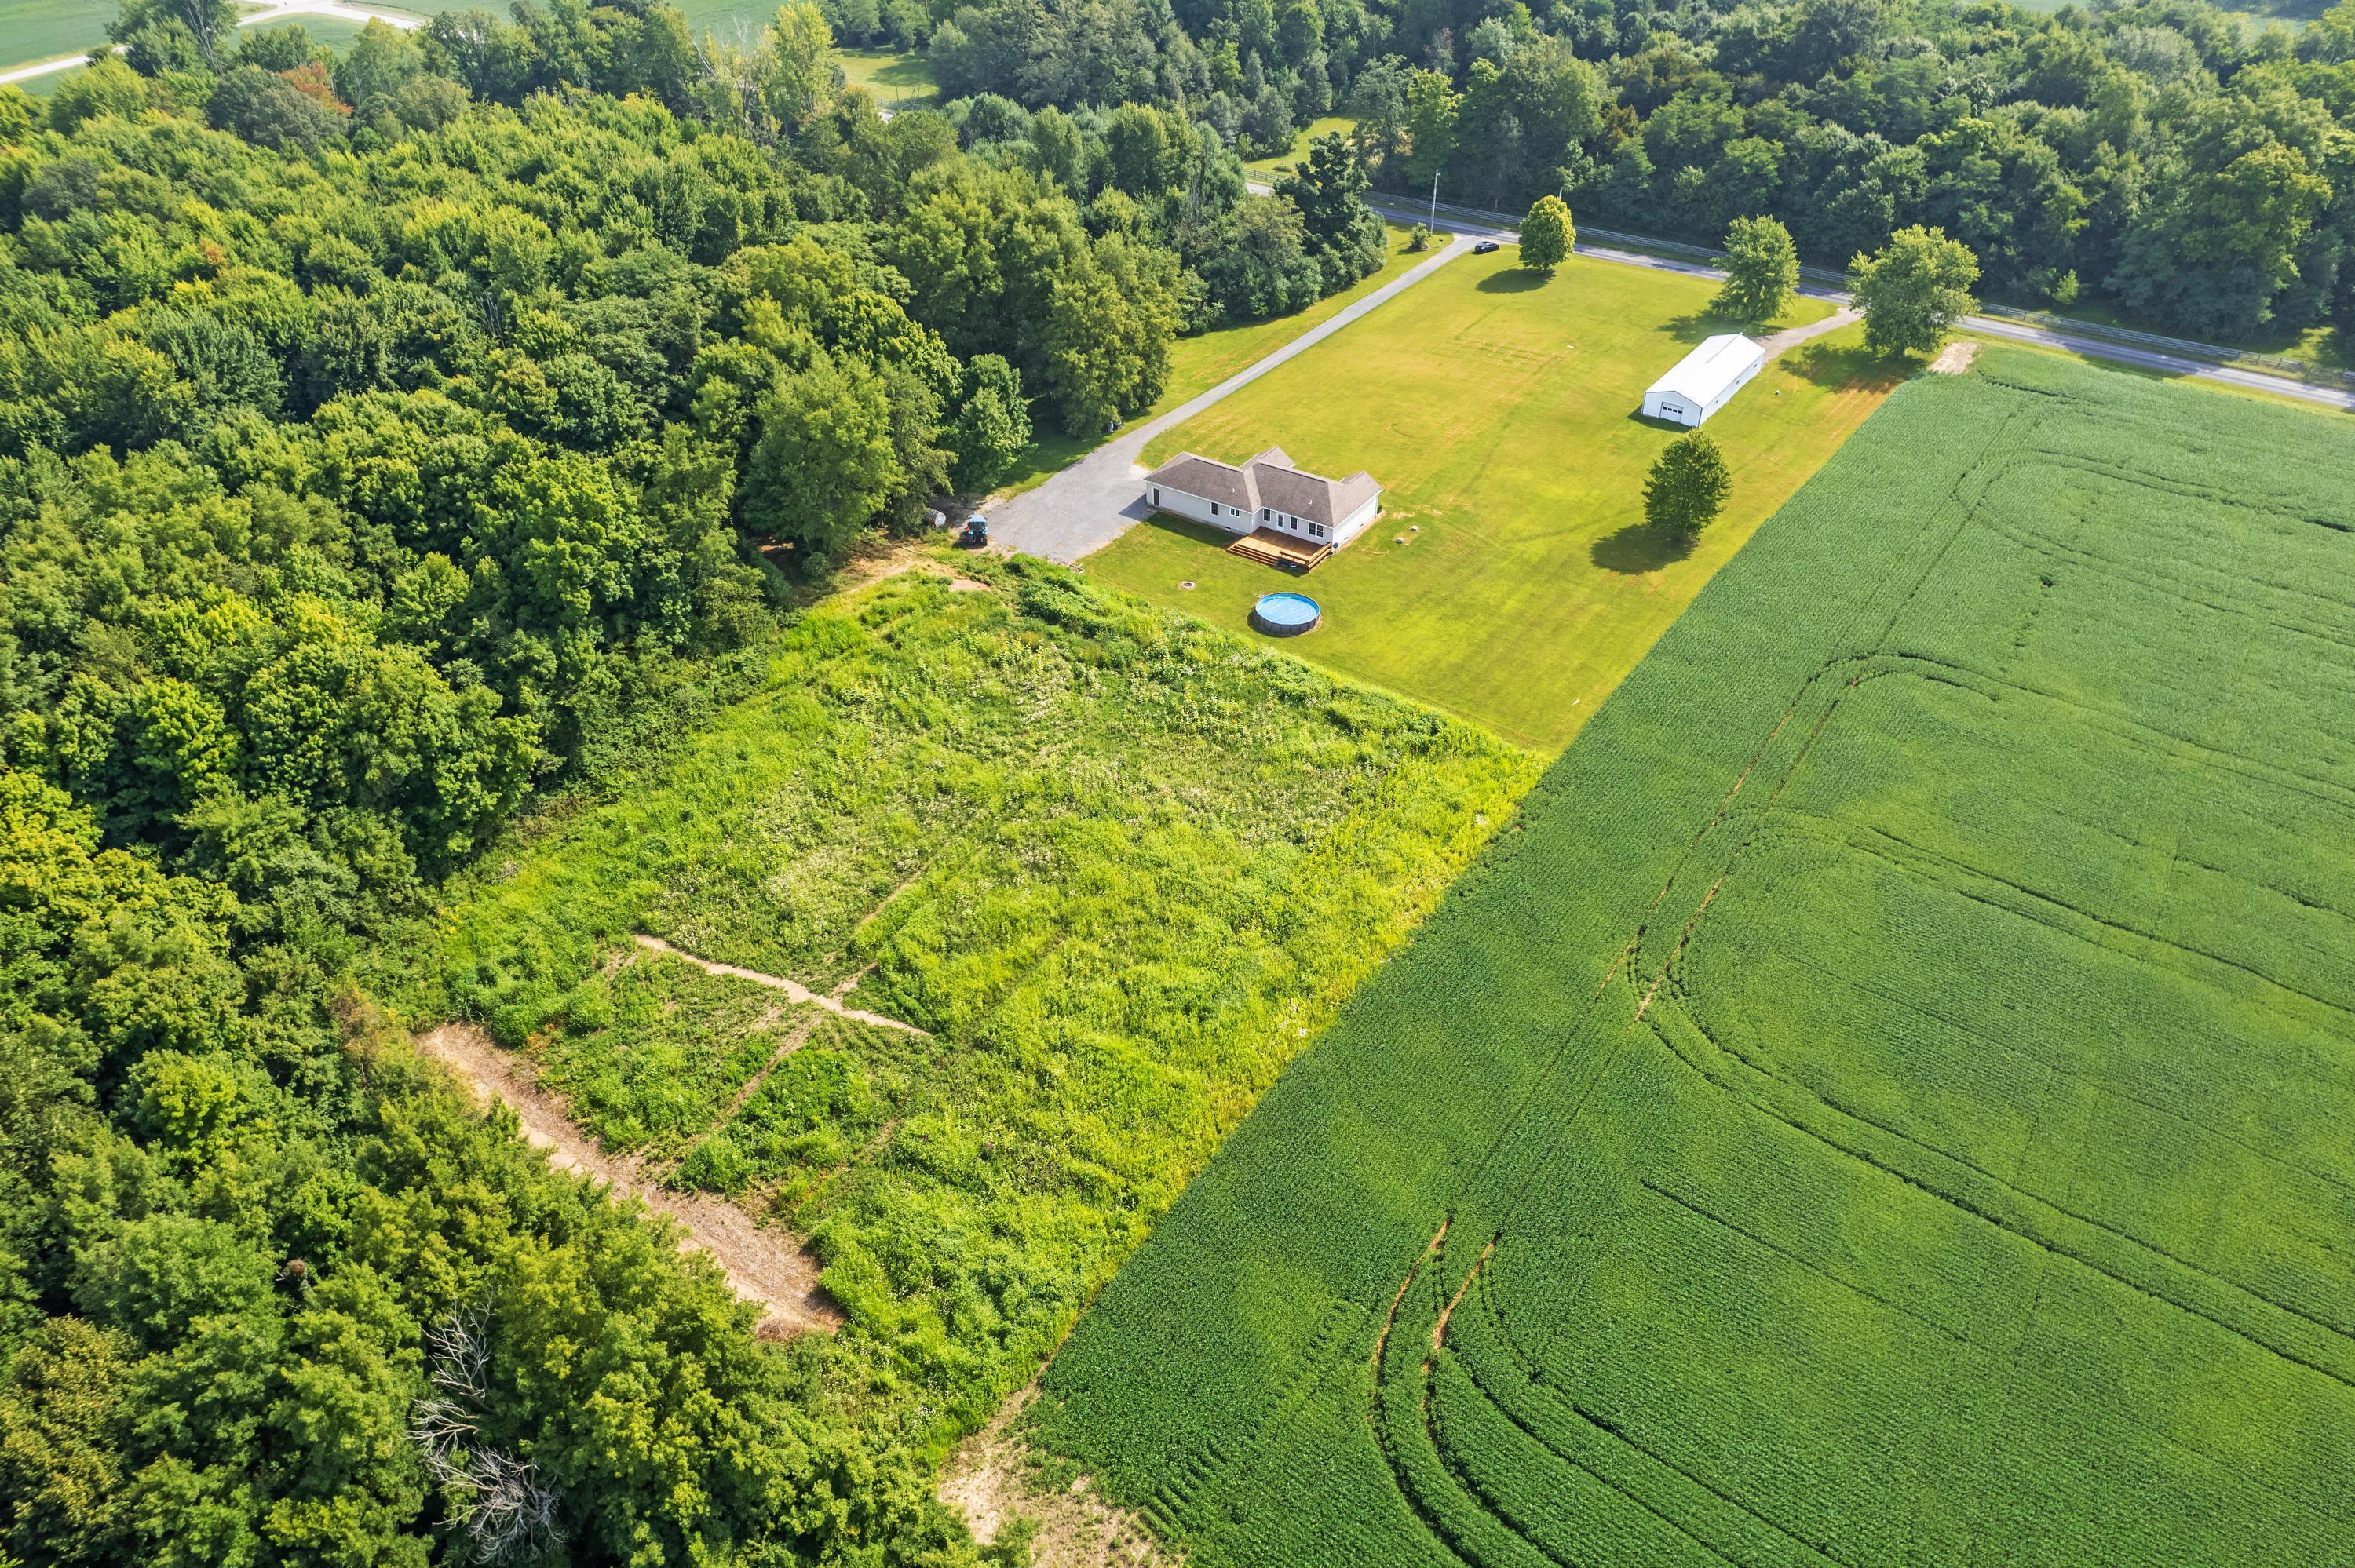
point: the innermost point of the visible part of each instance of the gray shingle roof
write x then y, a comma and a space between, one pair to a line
1268, 480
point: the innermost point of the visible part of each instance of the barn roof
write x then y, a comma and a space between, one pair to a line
1268, 480
1703, 375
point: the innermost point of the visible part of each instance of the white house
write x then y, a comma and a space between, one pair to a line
1267, 496
1703, 379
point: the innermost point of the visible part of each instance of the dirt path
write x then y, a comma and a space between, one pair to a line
1953, 359
987, 1480
795, 1038
793, 989
764, 1265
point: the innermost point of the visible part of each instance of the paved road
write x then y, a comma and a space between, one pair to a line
278, 11
1096, 500
1993, 326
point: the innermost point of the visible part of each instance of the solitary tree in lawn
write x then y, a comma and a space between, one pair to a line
1688, 487
1762, 270
1547, 235
1915, 291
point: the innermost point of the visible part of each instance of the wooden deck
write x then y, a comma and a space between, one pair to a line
1273, 548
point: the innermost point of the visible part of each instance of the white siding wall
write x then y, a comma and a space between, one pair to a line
1357, 522
1161, 497
1200, 509
1727, 396
1673, 408
1677, 409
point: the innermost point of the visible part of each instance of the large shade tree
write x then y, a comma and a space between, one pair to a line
1913, 291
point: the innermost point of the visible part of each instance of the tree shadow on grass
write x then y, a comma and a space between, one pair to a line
1698, 325
1854, 369
1513, 280
1186, 528
1639, 548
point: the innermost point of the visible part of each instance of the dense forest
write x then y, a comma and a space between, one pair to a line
390, 437
2188, 166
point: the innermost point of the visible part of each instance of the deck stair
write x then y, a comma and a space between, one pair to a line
1271, 547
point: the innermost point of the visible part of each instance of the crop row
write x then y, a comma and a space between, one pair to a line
1883, 1098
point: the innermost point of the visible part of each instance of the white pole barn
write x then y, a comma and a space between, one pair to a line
1704, 380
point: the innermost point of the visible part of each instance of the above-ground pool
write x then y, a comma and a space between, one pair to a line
1284, 614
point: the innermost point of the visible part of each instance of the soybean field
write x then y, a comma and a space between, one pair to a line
1885, 1099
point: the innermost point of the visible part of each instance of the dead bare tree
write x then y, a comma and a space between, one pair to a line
501, 1510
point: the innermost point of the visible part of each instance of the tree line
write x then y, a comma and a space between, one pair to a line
2185, 165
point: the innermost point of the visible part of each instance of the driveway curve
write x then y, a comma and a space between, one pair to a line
1096, 500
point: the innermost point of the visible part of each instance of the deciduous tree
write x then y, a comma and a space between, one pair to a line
1762, 270
1688, 486
1914, 291
1547, 235
992, 427
825, 465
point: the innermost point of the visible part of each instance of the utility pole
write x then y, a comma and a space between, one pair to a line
1433, 224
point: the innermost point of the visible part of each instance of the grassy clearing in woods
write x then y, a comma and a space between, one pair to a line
1120, 867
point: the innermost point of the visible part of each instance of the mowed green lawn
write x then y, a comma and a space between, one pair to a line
1202, 360
1883, 1102
891, 77
34, 30
1498, 410
1268, 168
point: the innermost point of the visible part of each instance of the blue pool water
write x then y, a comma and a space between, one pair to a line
1284, 614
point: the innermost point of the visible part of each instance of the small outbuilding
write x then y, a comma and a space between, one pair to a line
1704, 379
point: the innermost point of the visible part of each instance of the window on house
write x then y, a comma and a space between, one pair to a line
1263, 513
1156, 495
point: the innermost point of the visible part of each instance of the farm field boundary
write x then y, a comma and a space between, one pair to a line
1881, 1102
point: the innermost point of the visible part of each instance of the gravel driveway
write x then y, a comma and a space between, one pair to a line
1096, 500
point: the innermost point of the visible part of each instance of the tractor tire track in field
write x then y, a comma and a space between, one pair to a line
1876, 614
762, 1265
2024, 1219
1516, 1358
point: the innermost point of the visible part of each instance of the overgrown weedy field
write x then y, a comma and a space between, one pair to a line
1884, 1102
1114, 869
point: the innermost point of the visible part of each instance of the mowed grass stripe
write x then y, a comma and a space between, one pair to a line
1498, 410
1885, 1096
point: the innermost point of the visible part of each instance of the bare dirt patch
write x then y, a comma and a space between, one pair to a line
763, 1264
793, 988
1953, 359
989, 1480
875, 557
